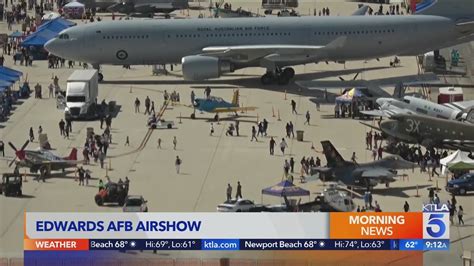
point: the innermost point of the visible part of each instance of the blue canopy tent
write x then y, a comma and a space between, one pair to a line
39, 38
9, 78
16, 34
5, 84
285, 188
45, 32
10, 72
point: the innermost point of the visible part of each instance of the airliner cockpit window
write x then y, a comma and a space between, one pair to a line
64, 36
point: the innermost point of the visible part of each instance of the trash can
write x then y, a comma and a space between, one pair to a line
299, 135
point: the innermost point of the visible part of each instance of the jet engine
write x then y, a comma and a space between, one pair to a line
199, 67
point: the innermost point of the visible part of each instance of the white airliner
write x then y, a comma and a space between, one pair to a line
208, 48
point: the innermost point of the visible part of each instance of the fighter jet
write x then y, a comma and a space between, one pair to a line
218, 105
363, 175
430, 132
148, 7
43, 161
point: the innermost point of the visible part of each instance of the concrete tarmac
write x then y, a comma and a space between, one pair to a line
209, 162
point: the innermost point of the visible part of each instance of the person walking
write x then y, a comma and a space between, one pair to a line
237, 127
229, 192
193, 97
51, 90
354, 158
32, 135
2, 148
436, 199
61, 127
293, 107
127, 184
211, 130
81, 176
406, 207
159, 143
127, 142
272, 146
147, 105
370, 199
431, 195
460, 215
101, 185
283, 146
137, 105
178, 163
366, 199
87, 177
101, 158
238, 194
292, 129
175, 142
452, 211
286, 168
292, 165
308, 117
380, 152
254, 134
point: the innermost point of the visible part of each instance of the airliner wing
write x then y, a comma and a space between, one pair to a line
272, 52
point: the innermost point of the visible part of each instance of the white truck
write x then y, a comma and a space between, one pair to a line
81, 95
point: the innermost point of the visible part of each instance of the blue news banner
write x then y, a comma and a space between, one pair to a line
267, 244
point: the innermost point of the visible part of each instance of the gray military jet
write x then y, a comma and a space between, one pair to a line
364, 175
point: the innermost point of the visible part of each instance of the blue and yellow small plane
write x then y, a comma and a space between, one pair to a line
218, 105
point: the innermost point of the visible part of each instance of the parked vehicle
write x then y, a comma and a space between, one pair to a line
11, 185
81, 95
135, 203
461, 185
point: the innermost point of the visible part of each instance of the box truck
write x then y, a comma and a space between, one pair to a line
81, 95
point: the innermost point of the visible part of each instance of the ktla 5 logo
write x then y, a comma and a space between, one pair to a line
435, 221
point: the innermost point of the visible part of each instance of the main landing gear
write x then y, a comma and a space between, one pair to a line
279, 76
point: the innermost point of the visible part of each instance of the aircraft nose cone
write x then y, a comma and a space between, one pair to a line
51, 46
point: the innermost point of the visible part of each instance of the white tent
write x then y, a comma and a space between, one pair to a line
74, 10
50, 16
74, 4
456, 157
